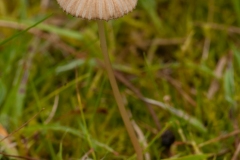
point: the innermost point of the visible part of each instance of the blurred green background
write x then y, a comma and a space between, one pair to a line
180, 58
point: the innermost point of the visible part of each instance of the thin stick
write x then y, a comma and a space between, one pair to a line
116, 92
236, 153
22, 126
17, 157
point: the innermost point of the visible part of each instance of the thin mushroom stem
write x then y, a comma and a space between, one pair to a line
116, 92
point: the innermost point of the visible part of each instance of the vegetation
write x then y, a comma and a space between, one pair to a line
177, 64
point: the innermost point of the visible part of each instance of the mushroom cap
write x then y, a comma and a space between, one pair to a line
97, 9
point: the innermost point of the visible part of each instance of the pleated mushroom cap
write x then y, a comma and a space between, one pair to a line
98, 9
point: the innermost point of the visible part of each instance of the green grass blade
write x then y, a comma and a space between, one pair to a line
23, 31
191, 157
179, 113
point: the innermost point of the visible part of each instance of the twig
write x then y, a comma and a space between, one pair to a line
235, 156
222, 152
164, 42
85, 156
236, 132
218, 73
54, 108
22, 126
229, 29
19, 157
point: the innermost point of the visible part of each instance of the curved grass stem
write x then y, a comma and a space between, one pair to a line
116, 92
83, 118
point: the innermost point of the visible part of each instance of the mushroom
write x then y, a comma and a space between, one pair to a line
98, 9
105, 10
